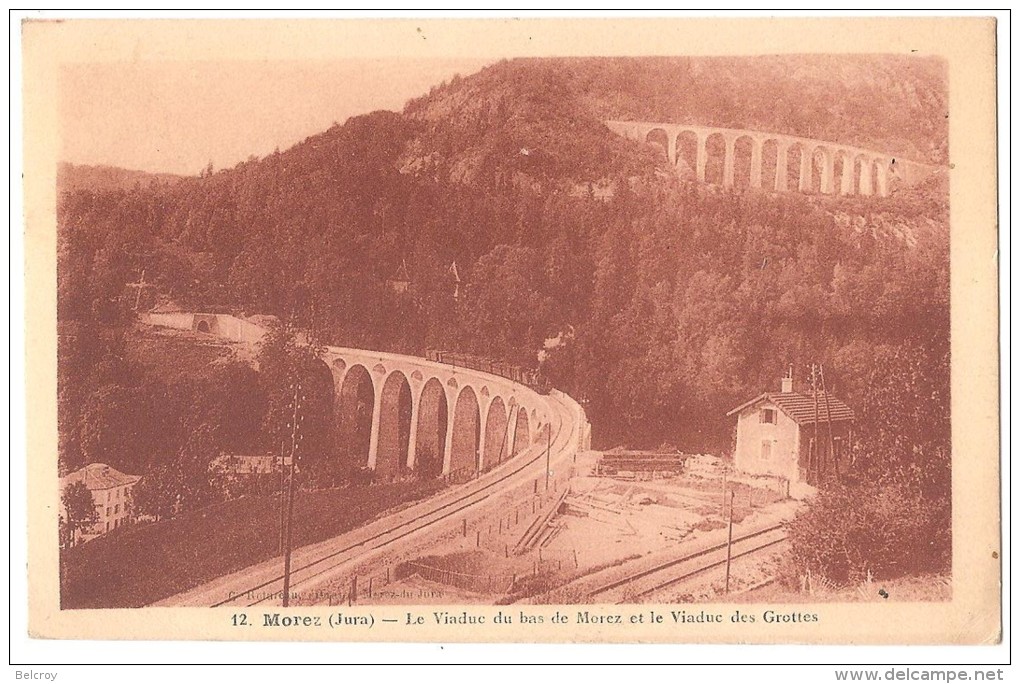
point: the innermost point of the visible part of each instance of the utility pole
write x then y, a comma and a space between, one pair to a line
814, 443
548, 449
141, 286
283, 495
729, 544
828, 421
506, 431
295, 437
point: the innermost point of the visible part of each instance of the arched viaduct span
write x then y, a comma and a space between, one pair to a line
731, 157
399, 414
428, 417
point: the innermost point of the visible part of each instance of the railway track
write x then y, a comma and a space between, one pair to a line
670, 573
316, 564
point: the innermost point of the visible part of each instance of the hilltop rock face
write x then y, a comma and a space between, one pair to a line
544, 117
519, 122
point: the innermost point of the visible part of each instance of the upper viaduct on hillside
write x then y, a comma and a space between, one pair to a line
397, 414
743, 158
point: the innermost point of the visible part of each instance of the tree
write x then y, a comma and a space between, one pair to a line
184, 483
285, 365
155, 495
237, 405
130, 427
712, 294
191, 468
79, 510
505, 313
883, 530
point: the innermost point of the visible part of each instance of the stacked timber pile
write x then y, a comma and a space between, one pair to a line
640, 464
541, 531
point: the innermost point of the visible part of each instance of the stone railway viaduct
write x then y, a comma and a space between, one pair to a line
398, 414
429, 417
777, 162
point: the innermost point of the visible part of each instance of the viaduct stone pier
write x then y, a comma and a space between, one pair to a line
429, 417
398, 414
773, 161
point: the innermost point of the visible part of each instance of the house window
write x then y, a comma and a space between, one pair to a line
116, 509
766, 449
767, 416
107, 511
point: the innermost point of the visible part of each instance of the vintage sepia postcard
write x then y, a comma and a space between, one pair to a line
602, 330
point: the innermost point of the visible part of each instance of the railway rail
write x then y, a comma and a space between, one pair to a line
529, 377
663, 575
316, 564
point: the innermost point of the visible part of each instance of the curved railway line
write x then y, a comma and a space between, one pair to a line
658, 577
252, 586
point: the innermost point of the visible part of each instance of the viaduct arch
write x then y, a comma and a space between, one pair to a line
795, 164
399, 414
432, 418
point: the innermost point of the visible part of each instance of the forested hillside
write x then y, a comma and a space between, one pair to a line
712, 293
891, 103
672, 302
76, 177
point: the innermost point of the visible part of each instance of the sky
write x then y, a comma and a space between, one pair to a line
176, 117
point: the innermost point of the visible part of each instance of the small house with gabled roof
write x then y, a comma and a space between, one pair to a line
111, 494
800, 436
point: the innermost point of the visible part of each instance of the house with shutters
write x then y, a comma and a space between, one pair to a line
111, 494
800, 436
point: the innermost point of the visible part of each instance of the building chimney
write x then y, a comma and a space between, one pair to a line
788, 380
